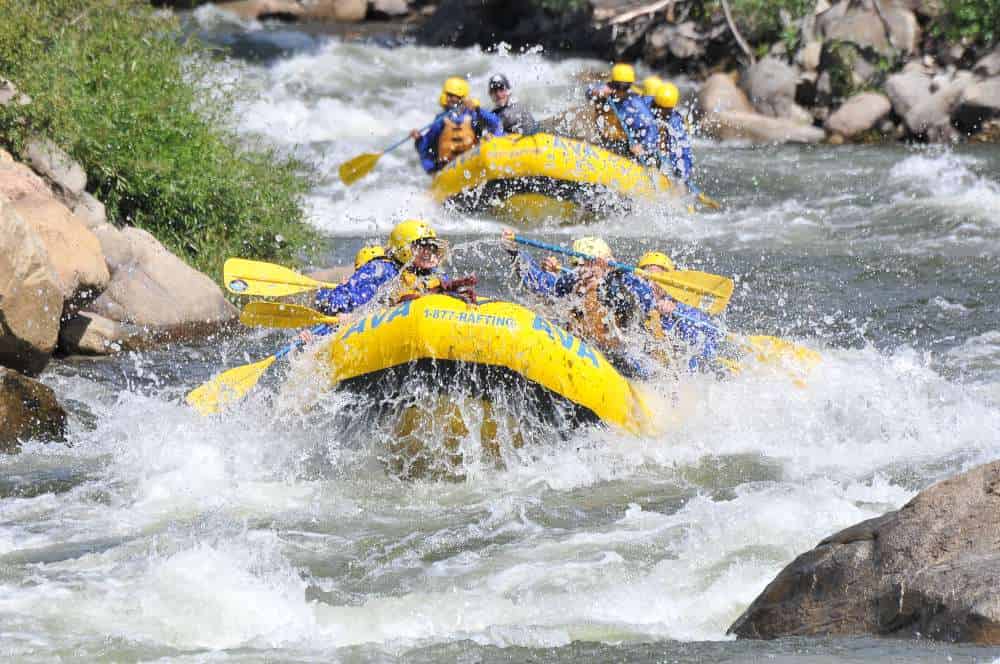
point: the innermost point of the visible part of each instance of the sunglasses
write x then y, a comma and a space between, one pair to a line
431, 247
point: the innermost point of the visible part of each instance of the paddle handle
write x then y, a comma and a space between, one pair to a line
620, 266
421, 130
320, 330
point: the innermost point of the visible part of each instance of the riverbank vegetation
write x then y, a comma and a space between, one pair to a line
116, 84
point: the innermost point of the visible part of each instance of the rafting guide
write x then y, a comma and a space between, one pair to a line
463, 124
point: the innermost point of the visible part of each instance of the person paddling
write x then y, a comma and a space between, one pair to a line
629, 127
457, 129
674, 144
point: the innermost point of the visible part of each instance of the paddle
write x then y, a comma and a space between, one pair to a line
282, 315
232, 385
354, 169
708, 292
247, 277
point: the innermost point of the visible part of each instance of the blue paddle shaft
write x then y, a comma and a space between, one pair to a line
319, 330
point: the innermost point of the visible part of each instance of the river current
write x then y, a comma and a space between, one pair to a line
259, 535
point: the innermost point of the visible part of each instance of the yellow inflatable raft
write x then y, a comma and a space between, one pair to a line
485, 346
532, 179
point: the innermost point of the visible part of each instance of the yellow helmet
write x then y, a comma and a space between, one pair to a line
622, 73
367, 254
443, 100
667, 96
404, 235
456, 86
656, 258
592, 246
651, 85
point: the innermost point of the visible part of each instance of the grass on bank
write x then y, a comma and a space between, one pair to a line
115, 84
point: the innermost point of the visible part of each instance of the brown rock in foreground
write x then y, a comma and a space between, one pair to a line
28, 410
930, 568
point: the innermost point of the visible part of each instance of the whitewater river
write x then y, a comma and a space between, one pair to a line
263, 535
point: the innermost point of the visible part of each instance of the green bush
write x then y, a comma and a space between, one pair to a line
115, 84
974, 20
760, 20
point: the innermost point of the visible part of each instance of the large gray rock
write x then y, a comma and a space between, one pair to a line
58, 167
154, 289
979, 102
859, 114
862, 25
345, 11
907, 89
930, 569
928, 8
988, 65
260, 9
757, 128
28, 410
87, 333
90, 211
391, 7
17, 181
771, 85
680, 42
720, 93
931, 117
31, 296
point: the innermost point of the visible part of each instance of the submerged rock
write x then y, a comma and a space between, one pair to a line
931, 568
28, 410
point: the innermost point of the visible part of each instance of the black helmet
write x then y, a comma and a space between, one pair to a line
499, 82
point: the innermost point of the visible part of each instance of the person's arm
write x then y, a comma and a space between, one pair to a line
490, 122
359, 289
642, 290
681, 158
427, 146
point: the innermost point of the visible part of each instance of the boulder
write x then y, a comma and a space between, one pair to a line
907, 89
808, 57
928, 8
17, 181
390, 8
345, 11
845, 69
720, 93
261, 9
90, 211
50, 161
988, 65
28, 410
9, 94
929, 569
978, 103
31, 296
677, 42
757, 128
859, 114
73, 250
154, 289
931, 117
87, 333
771, 84
862, 25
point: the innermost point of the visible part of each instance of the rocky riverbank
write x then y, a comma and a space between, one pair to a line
868, 71
931, 568
73, 283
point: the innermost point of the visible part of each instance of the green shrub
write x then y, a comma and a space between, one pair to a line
115, 84
975, 20
760, 20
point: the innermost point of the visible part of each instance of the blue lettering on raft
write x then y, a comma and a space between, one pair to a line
566, 339
358, 328
542, 325
386, 316
584, 351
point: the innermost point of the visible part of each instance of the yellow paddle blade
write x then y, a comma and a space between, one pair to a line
708, 201
247, 277
355, 169
275, 314
767, 349
228, 387
709, 292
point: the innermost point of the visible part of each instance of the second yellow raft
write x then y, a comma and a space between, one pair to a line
533, 179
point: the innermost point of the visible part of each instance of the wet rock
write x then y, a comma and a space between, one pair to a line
28, 410
73, 250
859, 114
720, 93
988, 65
90, 334
930, 569
31, 297
344, 11
154, 289
907, 89
771, 85
931, 117
261, 9
862, 25
808, 57
390, 8
757, 128
979, 102
50, 161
